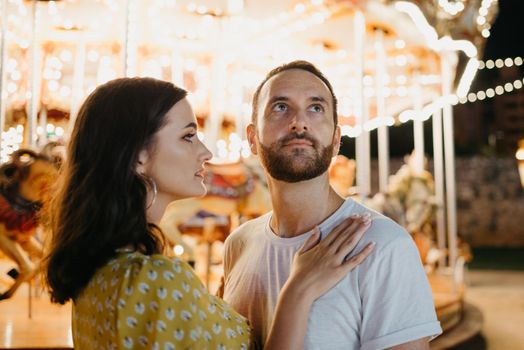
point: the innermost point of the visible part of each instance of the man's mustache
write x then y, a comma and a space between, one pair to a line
296, 136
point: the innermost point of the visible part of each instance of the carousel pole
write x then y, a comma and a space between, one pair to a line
438, 165
362, 140
130, 40
177, 70
449, 154
383, 135
418, 127
78, 79
216, 105
3, 60
35, 78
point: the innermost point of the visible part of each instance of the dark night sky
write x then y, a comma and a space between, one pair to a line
507, 34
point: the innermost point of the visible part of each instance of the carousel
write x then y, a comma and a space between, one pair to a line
390, 62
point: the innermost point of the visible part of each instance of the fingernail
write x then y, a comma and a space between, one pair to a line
372, 244
354, 216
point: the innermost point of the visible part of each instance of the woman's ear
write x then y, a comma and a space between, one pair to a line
143, 158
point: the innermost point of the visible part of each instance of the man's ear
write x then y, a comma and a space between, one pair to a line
251, 136
336, 140
143, 158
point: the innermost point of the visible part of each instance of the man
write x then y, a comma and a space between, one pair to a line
386, 301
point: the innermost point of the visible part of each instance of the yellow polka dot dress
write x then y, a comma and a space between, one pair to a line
153, 302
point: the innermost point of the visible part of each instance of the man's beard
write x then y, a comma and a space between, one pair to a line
301, 165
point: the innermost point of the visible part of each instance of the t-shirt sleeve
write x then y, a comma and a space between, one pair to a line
397, 303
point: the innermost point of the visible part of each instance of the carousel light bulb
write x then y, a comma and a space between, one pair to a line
53, 85
508, 87
11, 87
246, 153
66, 55
93, 56
481, 95
517, 84
402, 91
68, 24
299, 8
499, 90
490, 92
178, 250
481, 20
482, 65
401, 60
499, 63
65, 91
400, 44
472, 97
201, 9
490, 64
518, 61
485, 33
15, 75
191, 7
24, 44
48, 73
508, 62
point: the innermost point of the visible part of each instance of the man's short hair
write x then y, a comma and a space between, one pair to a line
303, 65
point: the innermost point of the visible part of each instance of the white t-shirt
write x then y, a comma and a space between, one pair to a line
383, 302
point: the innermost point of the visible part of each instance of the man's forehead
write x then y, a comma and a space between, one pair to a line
295, 80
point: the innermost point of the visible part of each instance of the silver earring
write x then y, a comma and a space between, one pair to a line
152, 185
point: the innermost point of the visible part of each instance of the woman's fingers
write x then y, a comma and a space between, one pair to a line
351, 240
311, 241
356, 260
351, 232
343, 226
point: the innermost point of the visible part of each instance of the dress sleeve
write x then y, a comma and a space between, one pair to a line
397, 303
169, 308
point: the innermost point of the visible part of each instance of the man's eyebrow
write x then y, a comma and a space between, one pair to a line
278, 98
318, 99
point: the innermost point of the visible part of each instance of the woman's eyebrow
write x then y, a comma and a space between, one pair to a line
191, 125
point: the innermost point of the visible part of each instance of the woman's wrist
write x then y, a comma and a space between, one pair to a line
298, 292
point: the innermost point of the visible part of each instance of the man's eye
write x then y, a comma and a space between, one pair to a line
280, 107
317, 108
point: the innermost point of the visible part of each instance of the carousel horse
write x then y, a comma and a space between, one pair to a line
24, 186
410, 201
342, 174
236, 192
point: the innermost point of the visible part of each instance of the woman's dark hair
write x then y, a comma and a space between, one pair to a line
101, 201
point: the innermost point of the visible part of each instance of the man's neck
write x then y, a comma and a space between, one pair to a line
299, 207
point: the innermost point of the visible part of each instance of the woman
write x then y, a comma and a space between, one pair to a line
133, 150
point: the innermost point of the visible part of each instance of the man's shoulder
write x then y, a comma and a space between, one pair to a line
248, 230
384, 231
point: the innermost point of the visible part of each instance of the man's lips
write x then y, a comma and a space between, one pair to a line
298, 142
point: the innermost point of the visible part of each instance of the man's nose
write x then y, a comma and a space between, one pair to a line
299, 123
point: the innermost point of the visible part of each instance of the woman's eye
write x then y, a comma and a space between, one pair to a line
189, 137
280, 107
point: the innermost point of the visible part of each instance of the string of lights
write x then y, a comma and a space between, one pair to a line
500, 63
